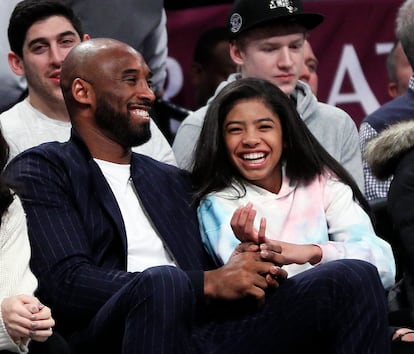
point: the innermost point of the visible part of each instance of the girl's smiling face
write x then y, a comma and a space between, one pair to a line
254, 140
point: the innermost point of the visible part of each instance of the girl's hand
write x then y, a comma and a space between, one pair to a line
242, 225
42, 322
25, 317
289, 253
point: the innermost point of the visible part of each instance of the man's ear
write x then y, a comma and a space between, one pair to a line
392, 89
86, 37
236, 53
16, 63
82, 91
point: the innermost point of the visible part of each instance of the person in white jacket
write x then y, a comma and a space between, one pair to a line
22, 316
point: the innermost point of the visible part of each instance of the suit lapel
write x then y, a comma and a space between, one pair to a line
166, 202
106, 198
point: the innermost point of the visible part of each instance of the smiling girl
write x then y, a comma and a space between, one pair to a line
260, 176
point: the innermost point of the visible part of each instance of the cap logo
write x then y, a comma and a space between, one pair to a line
274, 4
235, 22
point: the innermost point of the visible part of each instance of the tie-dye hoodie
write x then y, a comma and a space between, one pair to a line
322, 213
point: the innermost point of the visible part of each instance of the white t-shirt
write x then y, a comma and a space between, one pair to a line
145, 247
24, 127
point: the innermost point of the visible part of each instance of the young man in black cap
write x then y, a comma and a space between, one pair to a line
267, 41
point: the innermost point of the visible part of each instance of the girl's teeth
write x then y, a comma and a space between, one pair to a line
253, 156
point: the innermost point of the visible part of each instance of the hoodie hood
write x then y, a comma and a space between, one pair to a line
384, 151
223, 84
306, 102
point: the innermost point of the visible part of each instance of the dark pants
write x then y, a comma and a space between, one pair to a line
338, 307
55, 344
402, 348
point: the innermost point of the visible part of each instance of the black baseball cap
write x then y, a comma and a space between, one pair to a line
246, 14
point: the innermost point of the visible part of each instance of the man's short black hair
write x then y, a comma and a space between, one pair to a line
28, 12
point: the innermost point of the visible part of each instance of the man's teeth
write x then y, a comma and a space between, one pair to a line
254, 156
140, 112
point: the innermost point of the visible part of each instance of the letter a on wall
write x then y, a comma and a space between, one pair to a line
349, 65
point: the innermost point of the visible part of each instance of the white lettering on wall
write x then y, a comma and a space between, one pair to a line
383, 48
349, 65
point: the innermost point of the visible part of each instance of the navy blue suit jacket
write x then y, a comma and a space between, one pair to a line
400, 108
77, 234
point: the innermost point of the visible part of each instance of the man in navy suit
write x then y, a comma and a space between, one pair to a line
118, 254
